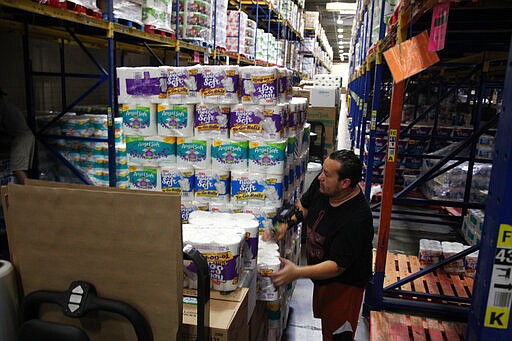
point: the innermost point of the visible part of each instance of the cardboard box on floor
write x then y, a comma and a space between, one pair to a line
228, 318
329, 117
123, 242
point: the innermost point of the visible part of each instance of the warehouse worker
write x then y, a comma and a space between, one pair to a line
339, 245
16, 139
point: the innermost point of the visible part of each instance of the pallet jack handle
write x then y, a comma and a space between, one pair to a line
203, 291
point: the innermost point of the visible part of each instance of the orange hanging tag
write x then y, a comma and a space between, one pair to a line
410, 57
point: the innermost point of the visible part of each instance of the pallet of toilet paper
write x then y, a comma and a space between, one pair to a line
433, 251
223, 134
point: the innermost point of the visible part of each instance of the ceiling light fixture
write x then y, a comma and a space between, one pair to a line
340, 36
341, 7
340, 29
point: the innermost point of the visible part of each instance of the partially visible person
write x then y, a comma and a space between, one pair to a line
16, 139
339, 245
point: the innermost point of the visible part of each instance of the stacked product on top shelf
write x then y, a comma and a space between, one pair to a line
221, 21
156, 15
249, 48
236, 31
195, 20
130, 10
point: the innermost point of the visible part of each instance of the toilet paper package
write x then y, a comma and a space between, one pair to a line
230, 155
219, 84
145, 178
137, 83
139, 118
181, 85
264, 215
178, 180
450, 249
247, 188
221, 248
430, 252
193, 152
175, 119
151, 150
260, 85
187, 207
211, 120
470, 263
244, 222
267, 157
273, 190
267, 265
251, 228
257, 122
211, 185
285, 85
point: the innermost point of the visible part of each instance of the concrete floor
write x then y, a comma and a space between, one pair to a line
403, 238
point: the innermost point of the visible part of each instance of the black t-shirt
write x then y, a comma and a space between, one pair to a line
342, 234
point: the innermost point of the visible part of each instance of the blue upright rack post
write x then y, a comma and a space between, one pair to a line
489, 317
377, 82
111, 113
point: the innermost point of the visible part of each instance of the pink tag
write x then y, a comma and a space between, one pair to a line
196, 57
438, 27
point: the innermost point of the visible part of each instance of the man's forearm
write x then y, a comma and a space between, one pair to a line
325, 270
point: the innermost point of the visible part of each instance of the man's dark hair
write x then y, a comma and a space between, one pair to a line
351, 166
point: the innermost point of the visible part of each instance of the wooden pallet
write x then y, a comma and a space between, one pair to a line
399, 266
403, 327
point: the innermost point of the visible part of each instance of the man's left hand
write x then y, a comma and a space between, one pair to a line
287, 274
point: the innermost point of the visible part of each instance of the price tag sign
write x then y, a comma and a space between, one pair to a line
196, 57
499, 300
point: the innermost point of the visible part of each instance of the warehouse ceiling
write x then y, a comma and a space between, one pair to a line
331, 23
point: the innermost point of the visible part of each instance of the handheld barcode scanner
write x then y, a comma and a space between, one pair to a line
286, 214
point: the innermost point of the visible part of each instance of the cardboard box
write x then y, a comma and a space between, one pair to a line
228, 319
325, 96
126, 243
299, 92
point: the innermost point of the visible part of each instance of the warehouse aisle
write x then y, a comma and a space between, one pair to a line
404, 238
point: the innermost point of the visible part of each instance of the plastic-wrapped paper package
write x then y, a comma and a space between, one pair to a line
140, 83
139, 118
175, 119
268, 263
244, 222
145, 178
221, 21
470, 262
128, 10
181, 84
178, 180
430, 252
211, 185
264, 214
221, 248
151, 150
248, 188
230, 155
267, 157
260, 85
450, 249
156, 14
285, 85
211, 120
257, 122
193, 152
219, 84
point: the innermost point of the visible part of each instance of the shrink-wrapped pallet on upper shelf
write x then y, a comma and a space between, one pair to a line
236, 31
156, 14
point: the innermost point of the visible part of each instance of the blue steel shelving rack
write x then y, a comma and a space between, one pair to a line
497, 212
